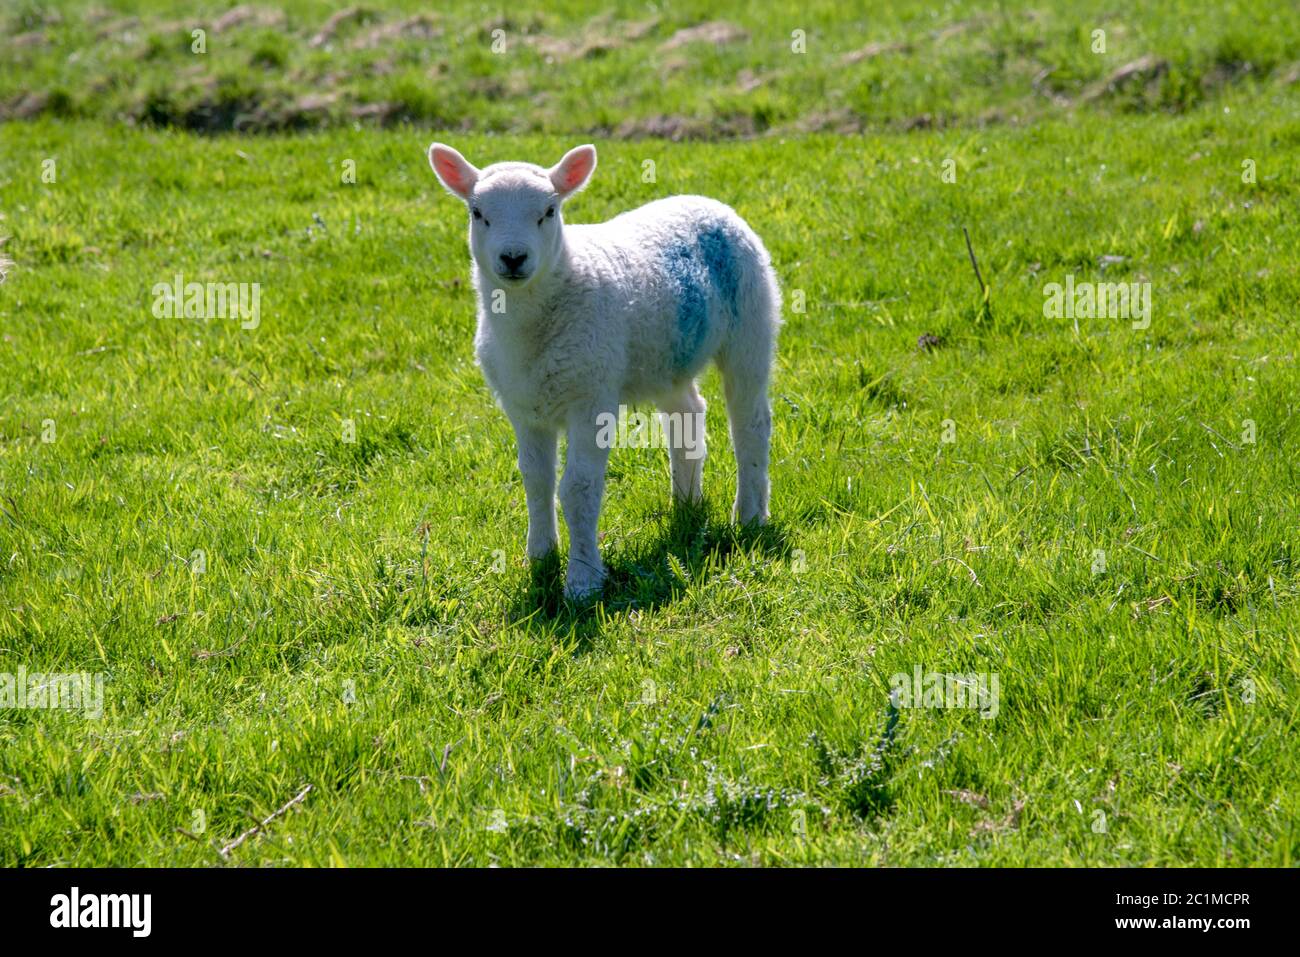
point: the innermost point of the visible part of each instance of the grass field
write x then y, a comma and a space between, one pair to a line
294, 552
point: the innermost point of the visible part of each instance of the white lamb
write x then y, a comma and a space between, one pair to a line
575, 321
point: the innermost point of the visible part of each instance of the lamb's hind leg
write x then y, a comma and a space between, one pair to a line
750, 417
746, 366
683, 429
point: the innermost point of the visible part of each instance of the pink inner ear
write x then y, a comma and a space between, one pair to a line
452, 174
575, 171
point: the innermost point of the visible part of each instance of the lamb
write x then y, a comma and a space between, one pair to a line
577, 321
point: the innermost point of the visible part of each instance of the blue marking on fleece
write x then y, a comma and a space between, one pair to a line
720, 260
708, 262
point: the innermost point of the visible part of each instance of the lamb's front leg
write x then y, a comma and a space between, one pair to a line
537, 466
581, 490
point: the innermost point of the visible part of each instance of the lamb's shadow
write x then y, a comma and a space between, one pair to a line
646, 573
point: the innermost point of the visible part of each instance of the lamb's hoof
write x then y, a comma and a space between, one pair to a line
584, 588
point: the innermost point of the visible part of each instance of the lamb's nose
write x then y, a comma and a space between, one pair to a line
512, 263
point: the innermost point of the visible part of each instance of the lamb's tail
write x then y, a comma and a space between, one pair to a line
759, 305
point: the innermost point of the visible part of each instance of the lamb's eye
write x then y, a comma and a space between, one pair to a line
478, 215
550, 212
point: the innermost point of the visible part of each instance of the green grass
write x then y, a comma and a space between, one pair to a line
629, 71
728, 702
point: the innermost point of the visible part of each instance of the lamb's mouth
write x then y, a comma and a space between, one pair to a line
515, 278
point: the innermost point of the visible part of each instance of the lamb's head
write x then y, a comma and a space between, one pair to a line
515, 227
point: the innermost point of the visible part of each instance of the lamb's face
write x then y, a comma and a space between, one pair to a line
514, 223
515, 227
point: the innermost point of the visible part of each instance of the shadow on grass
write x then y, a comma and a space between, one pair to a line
689, 543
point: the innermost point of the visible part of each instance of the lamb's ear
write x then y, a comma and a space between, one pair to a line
454, 171
571, 173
